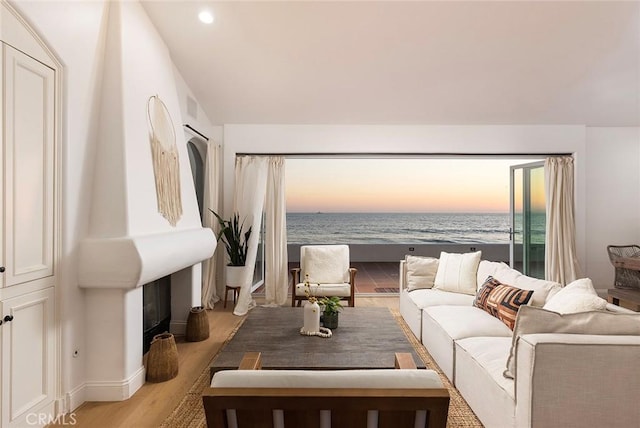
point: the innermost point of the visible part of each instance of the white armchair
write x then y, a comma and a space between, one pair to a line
329, 273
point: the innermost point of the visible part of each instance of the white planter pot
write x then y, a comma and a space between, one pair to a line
237, 276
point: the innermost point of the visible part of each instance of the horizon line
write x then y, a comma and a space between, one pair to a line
396, 212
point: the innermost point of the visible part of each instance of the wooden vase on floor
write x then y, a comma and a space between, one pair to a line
162, 361
197, 325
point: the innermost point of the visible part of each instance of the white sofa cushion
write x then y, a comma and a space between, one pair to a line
421, 272
435, 297
467, 321
458, 272
578, 296
442, 325
485, 270
479, 365
325, 263
532, 320
542, 289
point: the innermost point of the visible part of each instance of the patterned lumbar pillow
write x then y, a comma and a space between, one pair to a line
501, 300
421, 272
457, 272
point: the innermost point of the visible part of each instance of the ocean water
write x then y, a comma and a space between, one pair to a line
403, 228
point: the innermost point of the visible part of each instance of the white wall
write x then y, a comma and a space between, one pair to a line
613, 197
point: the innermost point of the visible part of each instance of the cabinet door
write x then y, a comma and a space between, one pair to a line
28, 168
28, 358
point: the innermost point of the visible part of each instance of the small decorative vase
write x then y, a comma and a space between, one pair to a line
311, 318
331, 321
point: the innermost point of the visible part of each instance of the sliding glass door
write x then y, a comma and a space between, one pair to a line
528, 219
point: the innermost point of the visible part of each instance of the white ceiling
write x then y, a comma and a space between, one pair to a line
414, 62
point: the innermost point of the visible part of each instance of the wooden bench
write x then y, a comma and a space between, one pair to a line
250, 397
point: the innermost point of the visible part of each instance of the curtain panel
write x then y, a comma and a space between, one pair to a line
561, 262
210, 288
260, 185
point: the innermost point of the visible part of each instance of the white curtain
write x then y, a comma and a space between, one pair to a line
251, 185
561, 263
276, 263
210, 292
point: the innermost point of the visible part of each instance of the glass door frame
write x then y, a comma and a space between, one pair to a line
526, 214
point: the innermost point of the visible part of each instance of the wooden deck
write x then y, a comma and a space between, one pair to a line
377, 277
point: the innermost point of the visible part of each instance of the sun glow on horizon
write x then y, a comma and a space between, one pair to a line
417, 185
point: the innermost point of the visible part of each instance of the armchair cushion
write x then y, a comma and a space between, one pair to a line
325, 264
321, 290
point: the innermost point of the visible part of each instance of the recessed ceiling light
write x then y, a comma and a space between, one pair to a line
206, 17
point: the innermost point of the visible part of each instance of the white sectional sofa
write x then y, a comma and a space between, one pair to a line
560, 379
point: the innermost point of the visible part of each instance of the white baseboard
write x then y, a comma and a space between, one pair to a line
178, 328
75, 398
115, 390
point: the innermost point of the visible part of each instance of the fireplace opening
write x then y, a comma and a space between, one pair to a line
156, 303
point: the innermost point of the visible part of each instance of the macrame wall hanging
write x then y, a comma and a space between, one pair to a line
166, 166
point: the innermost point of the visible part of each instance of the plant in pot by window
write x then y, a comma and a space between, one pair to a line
236, 243
331, 308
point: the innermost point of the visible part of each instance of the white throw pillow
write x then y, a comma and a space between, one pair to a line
421, 272
578, 296
532, 320
457, 272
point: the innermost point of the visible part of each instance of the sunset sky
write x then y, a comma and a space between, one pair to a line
399, 185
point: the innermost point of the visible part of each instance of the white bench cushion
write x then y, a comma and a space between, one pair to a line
376, 378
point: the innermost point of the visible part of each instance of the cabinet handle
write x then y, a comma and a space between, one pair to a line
1, 269
8, 318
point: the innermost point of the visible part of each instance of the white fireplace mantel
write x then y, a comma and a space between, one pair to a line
133, 261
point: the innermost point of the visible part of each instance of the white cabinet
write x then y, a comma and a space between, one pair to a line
28, 344
27, 240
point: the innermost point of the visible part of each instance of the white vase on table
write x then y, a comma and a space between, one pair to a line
311, 318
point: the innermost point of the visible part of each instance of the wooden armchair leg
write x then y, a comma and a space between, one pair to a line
295, 278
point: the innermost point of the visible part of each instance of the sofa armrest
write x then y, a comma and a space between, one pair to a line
574, 380
403, 275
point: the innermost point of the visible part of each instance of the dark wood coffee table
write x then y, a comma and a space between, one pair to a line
367, 338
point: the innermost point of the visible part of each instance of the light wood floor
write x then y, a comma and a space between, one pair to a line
154, 402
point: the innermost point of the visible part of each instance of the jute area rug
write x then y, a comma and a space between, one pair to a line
190, 413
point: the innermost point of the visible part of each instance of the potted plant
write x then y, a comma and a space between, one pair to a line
236, 243
331, 307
